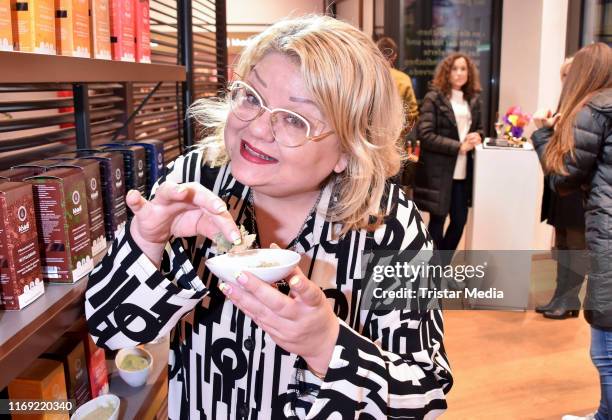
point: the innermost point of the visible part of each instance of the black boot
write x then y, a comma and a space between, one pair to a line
562, 273
567, 304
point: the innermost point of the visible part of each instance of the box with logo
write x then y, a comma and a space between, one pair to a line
142, 28
72, 27
123, 46
134, 161
69, 350
33, 23
17, 174
113, 187
60, 199
96, 365
6, 30
99, 12
91, 171
154, 150
21, 281
42, 380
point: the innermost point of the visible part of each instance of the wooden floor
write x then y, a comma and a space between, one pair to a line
519, 365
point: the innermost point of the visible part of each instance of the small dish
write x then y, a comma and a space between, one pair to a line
269, 264
102, 401
132, 377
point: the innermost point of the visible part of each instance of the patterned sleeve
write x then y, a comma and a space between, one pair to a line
394, 366
128, 300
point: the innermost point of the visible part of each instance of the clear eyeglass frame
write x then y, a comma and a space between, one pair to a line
238, 84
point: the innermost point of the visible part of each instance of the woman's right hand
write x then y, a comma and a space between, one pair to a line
465, 147
545, 118
179, 210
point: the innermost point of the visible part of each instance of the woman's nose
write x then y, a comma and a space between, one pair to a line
260, 127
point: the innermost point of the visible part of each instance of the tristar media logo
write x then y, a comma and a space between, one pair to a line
22, 215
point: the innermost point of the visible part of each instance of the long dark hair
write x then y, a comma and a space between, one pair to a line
590, 72
441, 80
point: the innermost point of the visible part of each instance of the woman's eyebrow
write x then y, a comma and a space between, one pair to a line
302, 100
259, 78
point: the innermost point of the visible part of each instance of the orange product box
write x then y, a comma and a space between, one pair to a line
42, 380
99, 12
142, 26
72, 27
6, 31
33, 23
123, 46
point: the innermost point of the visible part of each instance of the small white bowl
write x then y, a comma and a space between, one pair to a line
101, 401
226, 266
134, 378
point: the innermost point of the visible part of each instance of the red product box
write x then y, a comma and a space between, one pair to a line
142, 26
122, 30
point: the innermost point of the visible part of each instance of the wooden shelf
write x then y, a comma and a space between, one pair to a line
142, 402
26, 334
18, 67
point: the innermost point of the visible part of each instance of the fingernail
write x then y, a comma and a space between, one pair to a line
241, 278
132, 193
225, 288
274, 246
236, 237
294, 281
220, 206
180, 188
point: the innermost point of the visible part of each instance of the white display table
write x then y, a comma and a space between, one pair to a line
505, 196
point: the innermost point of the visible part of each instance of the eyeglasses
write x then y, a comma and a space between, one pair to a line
288, 128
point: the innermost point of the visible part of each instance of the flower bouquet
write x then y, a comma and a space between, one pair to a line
515, 121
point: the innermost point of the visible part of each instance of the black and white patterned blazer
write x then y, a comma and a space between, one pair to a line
386, 364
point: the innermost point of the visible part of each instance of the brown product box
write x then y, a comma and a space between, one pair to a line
81, 35
91, 172
6, 30
100, 29
60, 199
33, 23
96, 365
70, 351
42, 164
113, 186
134, 165
142, 28
17, 174
42, 380
20, 272
123, 46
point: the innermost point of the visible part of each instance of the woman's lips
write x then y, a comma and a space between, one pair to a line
255, 155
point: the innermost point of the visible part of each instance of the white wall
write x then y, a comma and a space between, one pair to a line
533, 49
266, 12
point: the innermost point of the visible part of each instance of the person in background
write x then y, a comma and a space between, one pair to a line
449, 128
566, 214
310, 133
575, 147
388, 48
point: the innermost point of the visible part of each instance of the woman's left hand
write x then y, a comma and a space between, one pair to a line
474, 138
302, 323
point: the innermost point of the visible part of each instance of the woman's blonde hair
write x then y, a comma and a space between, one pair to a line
350, 82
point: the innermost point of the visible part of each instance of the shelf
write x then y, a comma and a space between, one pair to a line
26, 334
18, 67
142, 402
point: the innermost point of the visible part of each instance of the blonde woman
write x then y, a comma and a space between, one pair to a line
309, 135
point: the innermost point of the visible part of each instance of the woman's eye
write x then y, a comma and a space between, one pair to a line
295, 121
252, 99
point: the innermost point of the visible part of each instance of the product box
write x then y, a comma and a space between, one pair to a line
72, 27
17, 174
69, 350
60, 200
21, 281
134, 161
43, 165
142, 28
91, 172
33, 23
6, 30
123, 46
42, 380
96, 365
154, 150
64, 27
99, 13
113, 187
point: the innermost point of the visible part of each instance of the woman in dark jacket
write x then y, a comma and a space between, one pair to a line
449, 127
577, 155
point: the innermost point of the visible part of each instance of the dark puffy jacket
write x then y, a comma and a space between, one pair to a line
591, 171
437, 130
